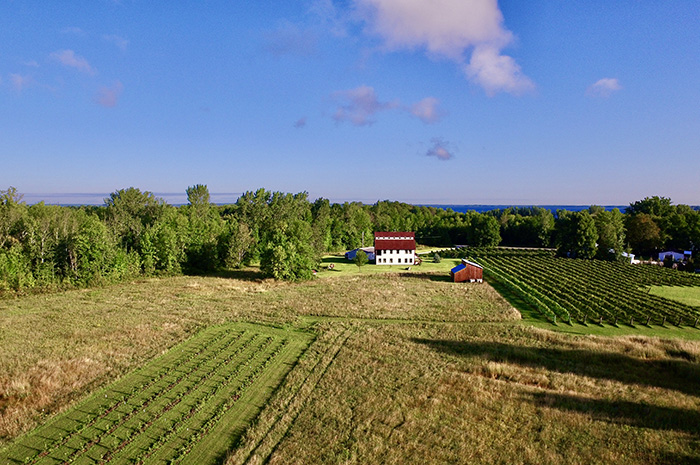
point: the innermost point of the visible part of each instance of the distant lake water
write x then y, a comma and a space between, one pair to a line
78, 199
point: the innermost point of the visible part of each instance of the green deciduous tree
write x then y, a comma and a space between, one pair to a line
289, 255
235, 242
575, 234
610, 226
643, 234
129, 211
483, 231
360, 259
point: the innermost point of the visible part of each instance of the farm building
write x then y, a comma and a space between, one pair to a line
467, 271
395, 248
675, 256
350, 255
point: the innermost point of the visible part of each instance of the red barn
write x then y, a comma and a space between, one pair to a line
467, 271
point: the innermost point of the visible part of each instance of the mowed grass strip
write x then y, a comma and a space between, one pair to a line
187, 425
269, 429
219, 434
83, 429
683, 294
173, 408
147, 411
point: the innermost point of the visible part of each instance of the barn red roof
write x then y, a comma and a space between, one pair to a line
394, 241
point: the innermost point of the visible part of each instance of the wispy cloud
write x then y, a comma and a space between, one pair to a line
427, 110
31, 64
300, 123
20, 82
119, 41
329, 16
70, 59
440, 149
109, 96
604, 87
450, 29
360, 105
289, 39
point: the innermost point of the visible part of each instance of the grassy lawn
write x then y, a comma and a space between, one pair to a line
405, 367
342, 266
686, 295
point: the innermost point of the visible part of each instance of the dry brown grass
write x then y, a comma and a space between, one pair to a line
58, 347
499, 394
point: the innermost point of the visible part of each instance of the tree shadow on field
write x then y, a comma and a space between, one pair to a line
637, 414
682, 459
243, 275
678, 375
328, 260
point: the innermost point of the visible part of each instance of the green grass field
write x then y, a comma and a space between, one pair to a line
685, 295
358, 366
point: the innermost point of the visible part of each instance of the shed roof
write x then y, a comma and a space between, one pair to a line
457, 268
467, 262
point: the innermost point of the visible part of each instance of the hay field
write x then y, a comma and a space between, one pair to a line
404, 368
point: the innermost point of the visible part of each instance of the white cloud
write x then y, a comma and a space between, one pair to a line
119, 41
19, 82
70, 59
495, 72
31, 64
604, 87
109, 96
360, 105
450, 29
440, 150
427, 110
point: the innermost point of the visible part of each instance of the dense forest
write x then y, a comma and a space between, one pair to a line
136, 233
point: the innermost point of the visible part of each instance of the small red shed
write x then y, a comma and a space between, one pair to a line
467, 271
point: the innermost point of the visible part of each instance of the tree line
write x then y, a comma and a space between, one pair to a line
136, 233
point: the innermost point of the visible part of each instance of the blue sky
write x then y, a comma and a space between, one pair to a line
443, 101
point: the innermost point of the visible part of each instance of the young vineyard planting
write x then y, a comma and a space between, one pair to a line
176, 406
571, 290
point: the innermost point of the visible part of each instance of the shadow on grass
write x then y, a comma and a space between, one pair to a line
244, 275
439, 277
678, 375
682, 459
637, 414
328, 260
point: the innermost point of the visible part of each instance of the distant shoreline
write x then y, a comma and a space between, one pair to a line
177, 199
